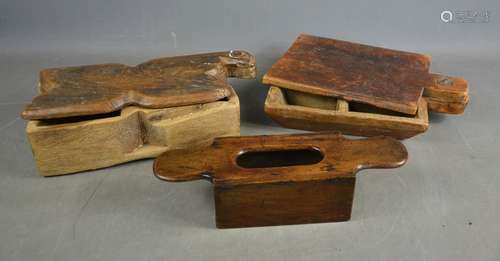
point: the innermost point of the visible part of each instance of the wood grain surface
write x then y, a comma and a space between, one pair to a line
342, 158
63, 146
380, 77
286, 203
159, 83
304, 111
447, 94
319, 191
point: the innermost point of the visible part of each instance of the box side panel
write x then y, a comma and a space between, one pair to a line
67, 148
333, 123
351, 123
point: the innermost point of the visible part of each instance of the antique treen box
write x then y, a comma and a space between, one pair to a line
95, 116
326, 84
281, 179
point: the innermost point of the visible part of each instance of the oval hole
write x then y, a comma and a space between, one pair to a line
279, 158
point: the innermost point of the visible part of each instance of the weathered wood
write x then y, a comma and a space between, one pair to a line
70, 145
384, 78
281, 179
327, 84
159, 83
447, 94
305, 111
96, 116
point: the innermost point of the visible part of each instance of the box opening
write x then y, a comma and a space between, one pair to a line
310, 100
279, 158
74, 119
330, 103
361, 107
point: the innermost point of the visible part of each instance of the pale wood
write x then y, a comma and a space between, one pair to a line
95, 116
310, 116
342, 105
136, 133
313, 101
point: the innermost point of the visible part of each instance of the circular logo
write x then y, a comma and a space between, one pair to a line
447, 16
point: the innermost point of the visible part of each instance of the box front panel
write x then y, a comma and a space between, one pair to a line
284, 203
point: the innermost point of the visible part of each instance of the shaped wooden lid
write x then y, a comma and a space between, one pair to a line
274, 156
381, 77
159, 83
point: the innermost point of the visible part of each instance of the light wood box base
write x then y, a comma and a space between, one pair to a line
298, 110
78, 144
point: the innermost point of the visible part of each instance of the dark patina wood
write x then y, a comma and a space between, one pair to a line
384, 78
281, 179
159, 83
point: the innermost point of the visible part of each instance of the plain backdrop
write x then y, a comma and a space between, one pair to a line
442, 205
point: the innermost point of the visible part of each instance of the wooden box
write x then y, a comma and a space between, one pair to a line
96, 116
281, 179
299, 110
327, 84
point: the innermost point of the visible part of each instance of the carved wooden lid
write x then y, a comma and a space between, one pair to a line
381, 77
159, 83
279, 158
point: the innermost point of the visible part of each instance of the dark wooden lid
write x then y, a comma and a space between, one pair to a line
159, 83
381, 77
220, 162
